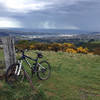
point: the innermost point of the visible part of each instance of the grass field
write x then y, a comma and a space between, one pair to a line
1, 61
73, 77
1, 55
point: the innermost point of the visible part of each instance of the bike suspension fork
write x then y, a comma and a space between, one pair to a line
18, 68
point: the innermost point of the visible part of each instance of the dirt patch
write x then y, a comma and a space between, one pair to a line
52, 86
50, 93
88, 93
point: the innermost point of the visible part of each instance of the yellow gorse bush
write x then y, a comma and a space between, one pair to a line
82, 50
68, 45
70, 50
32, 47
64, 47
49, 47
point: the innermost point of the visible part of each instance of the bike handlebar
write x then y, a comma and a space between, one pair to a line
22, 51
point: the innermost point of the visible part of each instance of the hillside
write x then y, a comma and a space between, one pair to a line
74, 77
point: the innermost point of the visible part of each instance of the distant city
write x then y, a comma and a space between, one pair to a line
52, 35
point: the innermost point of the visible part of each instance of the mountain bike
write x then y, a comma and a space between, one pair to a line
16, 72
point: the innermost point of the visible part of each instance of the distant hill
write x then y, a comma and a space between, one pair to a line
45, 33
22, 31
49, 30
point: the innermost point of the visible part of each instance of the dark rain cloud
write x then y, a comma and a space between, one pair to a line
67, 14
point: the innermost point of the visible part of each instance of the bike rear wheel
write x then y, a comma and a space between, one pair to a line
12, 77
44, 70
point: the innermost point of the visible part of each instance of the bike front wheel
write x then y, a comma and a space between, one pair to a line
12, 76
44, 70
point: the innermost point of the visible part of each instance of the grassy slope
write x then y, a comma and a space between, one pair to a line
1, 60
1, 55
74, 77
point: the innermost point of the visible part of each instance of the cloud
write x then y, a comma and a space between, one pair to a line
23, 6
51, 6
26, 6
55, 14
52, 25
71, 27
47, 25
9, 23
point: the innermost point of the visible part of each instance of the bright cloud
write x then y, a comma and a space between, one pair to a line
9, 23
52, 25
47, 25
23, 5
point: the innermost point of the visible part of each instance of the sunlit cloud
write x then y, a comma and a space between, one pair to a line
24, 6
9, 23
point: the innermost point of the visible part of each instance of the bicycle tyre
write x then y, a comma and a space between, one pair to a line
44, 70
10, 76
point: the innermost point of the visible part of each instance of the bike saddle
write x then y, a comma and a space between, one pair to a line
39, 54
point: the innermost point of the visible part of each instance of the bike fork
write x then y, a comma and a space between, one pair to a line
18, 68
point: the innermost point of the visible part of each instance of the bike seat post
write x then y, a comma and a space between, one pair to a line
37, 58
22, 52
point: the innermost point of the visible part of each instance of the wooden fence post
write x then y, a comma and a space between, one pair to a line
9, 50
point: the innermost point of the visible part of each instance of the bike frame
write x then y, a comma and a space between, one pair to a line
23, 58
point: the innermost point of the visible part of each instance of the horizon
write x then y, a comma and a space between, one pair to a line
41, 30
46, 32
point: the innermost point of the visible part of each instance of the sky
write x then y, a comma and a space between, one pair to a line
50, 14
